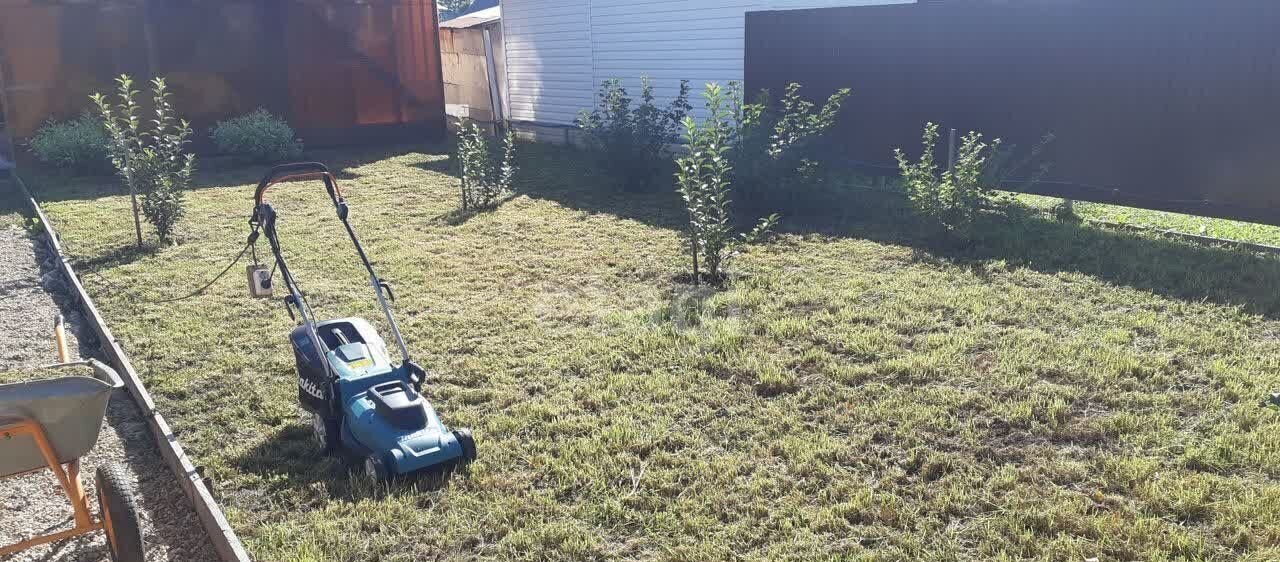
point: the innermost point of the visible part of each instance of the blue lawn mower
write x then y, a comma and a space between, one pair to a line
362, 405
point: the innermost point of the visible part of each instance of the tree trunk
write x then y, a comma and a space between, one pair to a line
137, 220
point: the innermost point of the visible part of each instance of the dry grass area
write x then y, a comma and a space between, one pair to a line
1052, 392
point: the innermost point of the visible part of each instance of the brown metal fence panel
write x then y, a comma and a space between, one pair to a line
372, 64
219, 58
53, 56
341, 71
1165, 104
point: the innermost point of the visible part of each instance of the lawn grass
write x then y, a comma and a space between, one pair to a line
1052, 392
1160, 220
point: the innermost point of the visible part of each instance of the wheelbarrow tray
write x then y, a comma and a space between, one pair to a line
70, 409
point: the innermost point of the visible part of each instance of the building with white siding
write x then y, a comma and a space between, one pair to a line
559, 51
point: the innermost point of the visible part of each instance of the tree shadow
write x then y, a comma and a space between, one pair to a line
1171, 267
440, 165
213, 172
458, 217
122, 255
1163, 265
572, 179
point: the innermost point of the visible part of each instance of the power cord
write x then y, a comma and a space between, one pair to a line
249, 244
214, 280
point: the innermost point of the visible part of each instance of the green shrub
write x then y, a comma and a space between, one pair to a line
632, 142
703, 181
151, 161
258, 137
778, 149
484, 179
953, 199
79, 145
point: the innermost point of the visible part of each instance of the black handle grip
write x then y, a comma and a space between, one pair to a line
285, 170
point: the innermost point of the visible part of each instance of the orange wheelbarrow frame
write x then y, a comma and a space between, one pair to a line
51, 424
68, 477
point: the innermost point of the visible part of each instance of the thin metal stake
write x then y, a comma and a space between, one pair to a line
693, 243
951, 151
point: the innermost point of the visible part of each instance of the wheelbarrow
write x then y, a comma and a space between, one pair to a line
51, 423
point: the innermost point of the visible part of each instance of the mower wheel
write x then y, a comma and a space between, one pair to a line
463, 435
325, 430
375, 469
119, 512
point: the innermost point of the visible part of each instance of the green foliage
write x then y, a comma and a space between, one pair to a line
151, 160
703, 179
258, 137
484, 177
451, 8
633, 142
79, 145
953, 199
778, 149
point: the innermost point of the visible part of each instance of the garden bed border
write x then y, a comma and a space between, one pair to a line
224, 539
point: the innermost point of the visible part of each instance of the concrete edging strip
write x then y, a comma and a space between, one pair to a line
224, 539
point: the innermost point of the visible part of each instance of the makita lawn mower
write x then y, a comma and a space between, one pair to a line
362, 406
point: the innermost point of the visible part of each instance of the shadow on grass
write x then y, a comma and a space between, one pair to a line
571, 179
293, 453
439, 165
216, 171
119, 256
1169, 267
459, 216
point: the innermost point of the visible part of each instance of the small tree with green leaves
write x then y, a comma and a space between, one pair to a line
632, 141
485, 178
778, 150
703, 181
151, 160
953, 198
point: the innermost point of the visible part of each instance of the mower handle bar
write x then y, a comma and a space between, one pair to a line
297, 170
264, 216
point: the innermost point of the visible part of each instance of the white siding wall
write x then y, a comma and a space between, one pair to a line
558, 52
549, 65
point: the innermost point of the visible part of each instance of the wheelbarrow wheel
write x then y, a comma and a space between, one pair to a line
119, 512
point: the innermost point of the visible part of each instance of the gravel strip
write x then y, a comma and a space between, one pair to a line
34, 503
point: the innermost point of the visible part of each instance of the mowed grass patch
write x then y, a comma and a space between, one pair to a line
1160, 220
1051, 392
